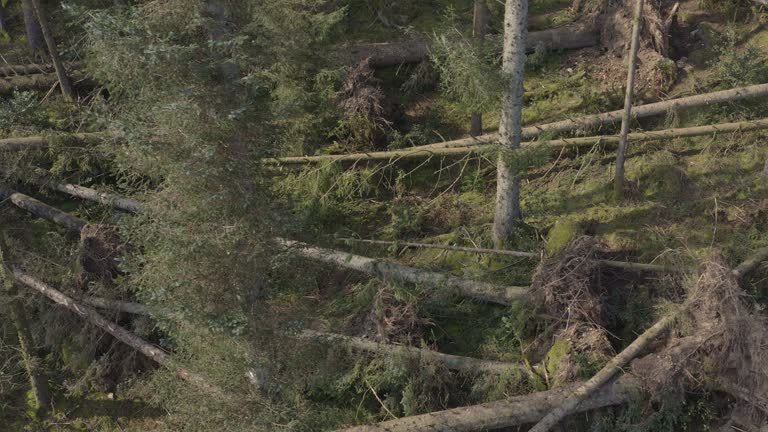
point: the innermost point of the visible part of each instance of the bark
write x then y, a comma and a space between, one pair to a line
504, 252
116, 305
3, 24
585, 122
453, 362
37, 378
43, 142
508, 211
42, 210
765, 169
36, 82
482, 291
121, 334
86, 193
34, 68
58, 65
618, 187
751, 263
31, 25
417, 50
479, 30
515, 411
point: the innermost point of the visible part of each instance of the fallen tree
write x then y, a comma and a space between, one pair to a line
611, 263
45, 142
86, 193
482, 144
121, 334
453, 362
37, 82
416, 50
601, 391
42, 210
116, 305
34, 68
482, 291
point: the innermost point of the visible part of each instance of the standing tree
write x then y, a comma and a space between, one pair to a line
31, 26
513, 69
3, 25
37, 378
61, 73
479, 29
618, 186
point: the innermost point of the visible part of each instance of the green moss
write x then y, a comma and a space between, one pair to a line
564, 232
556, 354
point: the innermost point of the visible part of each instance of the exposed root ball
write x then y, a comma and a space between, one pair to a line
100, 249
394, 321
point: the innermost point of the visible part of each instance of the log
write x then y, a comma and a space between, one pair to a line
513, 411
417, 50
453, 362
86, 193
65, 84
121, 334
481, 144
116, 305
42, 210
610, 263
34, 68
751, 262
44, 142
483, 291
37, 82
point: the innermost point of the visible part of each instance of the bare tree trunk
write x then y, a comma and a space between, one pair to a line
31, 25
121, 334
765, 170
618, 187
3, 24
30, 82
37, 378
42, 210
43, 142
510, 132
482, 291
61, 73
479, 29
464, 146
33, 68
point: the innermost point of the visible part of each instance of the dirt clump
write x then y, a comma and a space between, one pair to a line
100, 251
393, 320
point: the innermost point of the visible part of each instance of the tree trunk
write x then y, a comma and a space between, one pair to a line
417, 50
765, 169
40, 82
31, 25
465, 146
452, 362
61, 73
3, 24
482, 291
34, 68
514, 411
510, 131
44, 142
609, 263
42, 210
479, 29
751, 263
37, 378
121, 334
618, 187
116, 305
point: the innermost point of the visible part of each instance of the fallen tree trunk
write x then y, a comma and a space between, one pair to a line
121, 334
34, 68
610, 263
116, 305
417, 50
44, 142
37, 82
86, 193
751, 262
453, 362
514, 411
42, 210
481, 144
483, 291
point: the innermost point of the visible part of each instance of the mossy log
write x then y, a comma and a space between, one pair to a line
42, 210
535, 255
417, 50
45, 142
453, 362
121, 334
483, 291
483, 143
